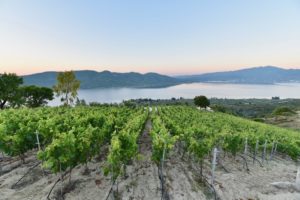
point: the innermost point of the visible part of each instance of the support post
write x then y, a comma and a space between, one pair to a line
264, 152
39, 147
298, 178
246, 146
272, 151
113, 184
275, 149
38, 140
162, 173
255, 151
214, 163
62, 181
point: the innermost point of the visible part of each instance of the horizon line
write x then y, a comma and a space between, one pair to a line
168, 74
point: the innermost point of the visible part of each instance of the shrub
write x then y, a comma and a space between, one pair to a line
285, 111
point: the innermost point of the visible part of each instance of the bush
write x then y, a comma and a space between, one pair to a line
219, 108
201, 101
259, 120
285, 111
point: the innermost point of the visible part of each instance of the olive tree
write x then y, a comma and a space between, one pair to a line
201, 101
35, 96
9, 89
67, 87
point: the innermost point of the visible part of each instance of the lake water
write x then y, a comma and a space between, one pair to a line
219, 90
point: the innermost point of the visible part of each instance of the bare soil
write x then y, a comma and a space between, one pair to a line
142, 182
257, 182
291, 122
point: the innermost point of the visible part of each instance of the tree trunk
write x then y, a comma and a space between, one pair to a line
2, 103
67, 99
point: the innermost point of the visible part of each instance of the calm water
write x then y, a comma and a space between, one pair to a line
235, 91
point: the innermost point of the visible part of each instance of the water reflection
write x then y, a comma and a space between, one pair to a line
235, 91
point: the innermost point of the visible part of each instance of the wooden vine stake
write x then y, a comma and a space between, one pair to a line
38, 140
246, 146
272, 151
1, 165
113, 184
162, 173
264, 152
61, 179
275, 149
298, 178
255, 151
39, 147
2, 153
214, 163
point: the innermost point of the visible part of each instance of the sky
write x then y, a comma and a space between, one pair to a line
171, 37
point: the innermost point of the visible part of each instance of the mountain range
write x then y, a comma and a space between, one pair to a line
106, 79
255, 75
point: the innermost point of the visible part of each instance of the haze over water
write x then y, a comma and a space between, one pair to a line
219, 90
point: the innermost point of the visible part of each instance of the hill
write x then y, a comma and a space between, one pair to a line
255, 75
106, 79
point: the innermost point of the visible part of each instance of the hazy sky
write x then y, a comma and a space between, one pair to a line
166, 36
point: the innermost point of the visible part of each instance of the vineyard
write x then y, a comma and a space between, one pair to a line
166, 152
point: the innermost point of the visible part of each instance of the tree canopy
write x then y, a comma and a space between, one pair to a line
201, 101
36, 96
9, 89
67, 87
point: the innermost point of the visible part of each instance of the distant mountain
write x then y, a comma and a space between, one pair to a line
106, 79
255, 75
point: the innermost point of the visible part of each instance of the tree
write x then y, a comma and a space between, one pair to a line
36, 96
201, 101
67, 87
9, 89
80, 102
220, 108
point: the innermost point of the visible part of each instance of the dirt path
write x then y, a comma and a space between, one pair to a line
144, 184
182, 183
145, 142
143, 181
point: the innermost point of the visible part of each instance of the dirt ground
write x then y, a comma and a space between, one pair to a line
232, 181
143, 181
238, 183
291, 122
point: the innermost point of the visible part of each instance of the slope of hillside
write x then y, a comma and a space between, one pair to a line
105, 79
172, 157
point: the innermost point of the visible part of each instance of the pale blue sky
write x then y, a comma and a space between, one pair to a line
171, 37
